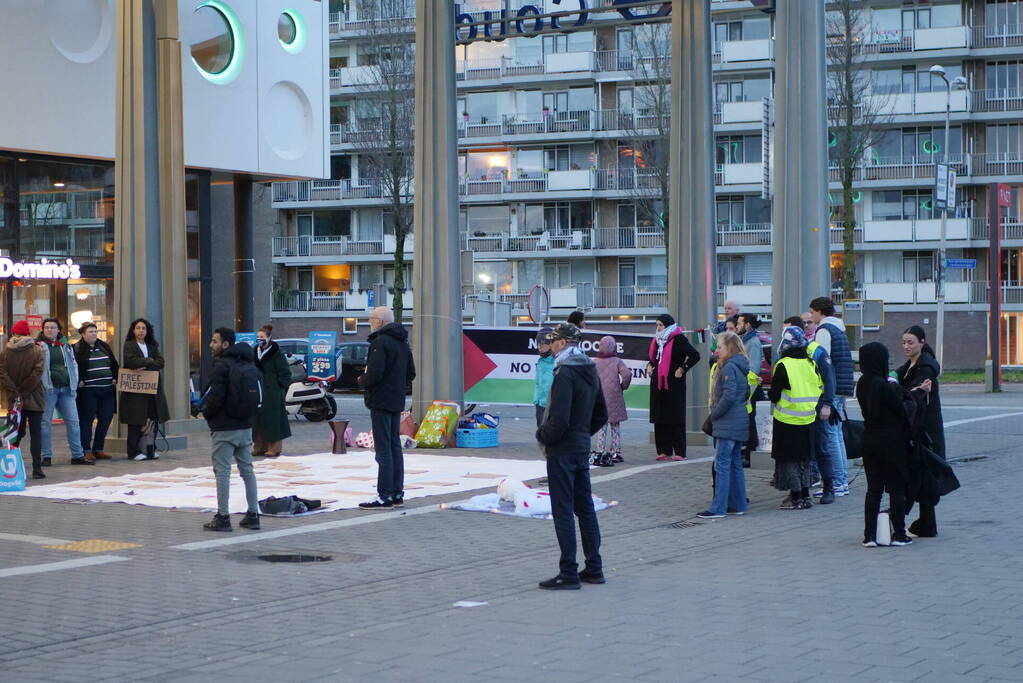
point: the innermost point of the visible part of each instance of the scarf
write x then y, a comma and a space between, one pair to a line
791, 338
660, 353
567, 352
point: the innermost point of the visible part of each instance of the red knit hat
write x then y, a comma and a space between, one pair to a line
20, 328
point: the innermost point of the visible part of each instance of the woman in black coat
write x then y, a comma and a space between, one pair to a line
141, 352
671, 356
888, 410
922, 366
792, 445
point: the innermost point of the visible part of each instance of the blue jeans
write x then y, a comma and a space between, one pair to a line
390, 460
836, 446
63, 399
95, 403
729, 479
568, 476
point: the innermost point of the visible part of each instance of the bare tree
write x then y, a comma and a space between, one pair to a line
856, 116
382, 120
648, 125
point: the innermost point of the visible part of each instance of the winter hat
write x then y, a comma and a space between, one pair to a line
20, 328
665, 320
568, 332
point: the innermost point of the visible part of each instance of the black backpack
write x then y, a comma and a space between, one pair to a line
244, 391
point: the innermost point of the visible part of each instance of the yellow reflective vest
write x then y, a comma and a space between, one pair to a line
751, 377
798, 403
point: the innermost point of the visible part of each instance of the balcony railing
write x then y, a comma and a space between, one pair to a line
629, 297
980, 229
1012, 292
326, 190
308, 301
998, 164
997, 35
644, 237
997, 99
890, 41
899, 168
743, 235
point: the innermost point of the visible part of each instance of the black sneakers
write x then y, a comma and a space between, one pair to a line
398, 501
901, 540
587, 576
376, 504
827, 497
218, 523
707, 514
560, 583
250, 521
38, 474
804, 504
81, 461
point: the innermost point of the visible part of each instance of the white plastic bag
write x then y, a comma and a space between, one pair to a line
884, 529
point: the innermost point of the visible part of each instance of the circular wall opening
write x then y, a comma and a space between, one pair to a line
215, 41
291, 31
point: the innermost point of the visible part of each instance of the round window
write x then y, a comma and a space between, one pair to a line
287, 30
212, 40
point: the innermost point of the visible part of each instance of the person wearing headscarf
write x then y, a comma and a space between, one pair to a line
920, 366
887, 410
796, 387
670, 358
615, 378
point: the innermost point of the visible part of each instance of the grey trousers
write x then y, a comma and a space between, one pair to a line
235, 444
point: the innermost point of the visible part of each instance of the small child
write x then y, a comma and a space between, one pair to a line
544, 373
615, 378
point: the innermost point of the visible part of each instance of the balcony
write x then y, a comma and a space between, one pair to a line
997, 100
915, 230
1000, 35
543, 241
307, 301
642, 237
892, 41
743, 235
904, 168
1012, 292
308, 246
629, 297
907, 104
916, 292
998, 164
631, 61
739, 112
981, 229
731, 51
323, 191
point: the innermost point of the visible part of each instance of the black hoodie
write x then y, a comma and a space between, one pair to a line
389, 369
576, 409
215, 393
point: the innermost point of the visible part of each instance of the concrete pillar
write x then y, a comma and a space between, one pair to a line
692, 272
802, 249
244, 259
436, 282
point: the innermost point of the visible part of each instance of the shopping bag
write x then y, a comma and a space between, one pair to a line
12, 470
884, 529
438, 426
9, 426
852, 434
407, 425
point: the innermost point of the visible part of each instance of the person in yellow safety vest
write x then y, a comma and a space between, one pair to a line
796, 388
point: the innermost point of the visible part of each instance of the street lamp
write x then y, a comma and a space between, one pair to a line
959, 83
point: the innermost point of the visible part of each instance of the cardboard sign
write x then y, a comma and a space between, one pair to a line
138, 381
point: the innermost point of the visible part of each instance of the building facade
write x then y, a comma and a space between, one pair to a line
561, 178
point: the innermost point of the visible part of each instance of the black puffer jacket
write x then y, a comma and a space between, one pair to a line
389, 369
215, 394
931, 423
576, 409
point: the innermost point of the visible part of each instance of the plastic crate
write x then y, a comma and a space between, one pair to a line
475, 438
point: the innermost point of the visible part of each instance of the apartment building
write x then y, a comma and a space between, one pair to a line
559, 188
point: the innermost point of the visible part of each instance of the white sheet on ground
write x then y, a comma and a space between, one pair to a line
339, 481
492, 502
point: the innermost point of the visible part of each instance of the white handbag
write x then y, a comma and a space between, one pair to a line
884, 529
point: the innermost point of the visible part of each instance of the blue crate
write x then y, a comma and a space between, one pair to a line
476, 438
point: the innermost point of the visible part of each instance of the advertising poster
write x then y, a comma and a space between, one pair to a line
320, 361
246, 338
500, 364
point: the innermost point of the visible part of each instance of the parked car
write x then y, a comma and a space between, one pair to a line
350, 358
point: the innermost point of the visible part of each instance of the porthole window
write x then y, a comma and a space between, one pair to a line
291, 31
215, 41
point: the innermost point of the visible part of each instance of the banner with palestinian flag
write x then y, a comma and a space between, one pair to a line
500, 364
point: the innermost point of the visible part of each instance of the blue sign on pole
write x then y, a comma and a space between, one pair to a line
963, 263
246, 337
320, 361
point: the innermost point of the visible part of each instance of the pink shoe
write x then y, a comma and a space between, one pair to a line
663, 458
678, 458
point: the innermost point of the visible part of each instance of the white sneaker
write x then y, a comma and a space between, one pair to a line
140, 457
156, 455
842, 490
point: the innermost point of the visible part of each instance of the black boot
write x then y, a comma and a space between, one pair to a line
218, 523
37, 473
250, 521
827, 494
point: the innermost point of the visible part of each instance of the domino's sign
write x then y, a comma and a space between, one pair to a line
529, 20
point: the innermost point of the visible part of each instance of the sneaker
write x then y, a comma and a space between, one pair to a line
901, 540
617, 457
155, 455
398, 501
869, 543
140, 457
218, 523
789, 504
560, 583
842, 490
707, 514
827, 498
250, 521
804, 504
606, 460
596, 578
38, 474
737, 513
817, 484
82, 461
47, 461
377, 504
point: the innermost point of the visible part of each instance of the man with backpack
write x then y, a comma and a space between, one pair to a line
229, 403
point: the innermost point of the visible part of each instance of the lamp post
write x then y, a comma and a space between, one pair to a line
960, 83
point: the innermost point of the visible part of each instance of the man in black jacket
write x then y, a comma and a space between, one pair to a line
575, 412
389, 371
232, 436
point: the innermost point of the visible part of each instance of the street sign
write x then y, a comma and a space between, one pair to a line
963, 263
538, 304
941, 185
866, 312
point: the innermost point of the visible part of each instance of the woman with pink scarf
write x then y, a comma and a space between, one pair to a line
671, 356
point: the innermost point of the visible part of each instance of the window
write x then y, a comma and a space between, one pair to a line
738, 149
1004, 141
557, 274
900, 205
330, 225
916, 145
918, 266
912, 79
652, 273
1001, 79
731, 270
1003, 17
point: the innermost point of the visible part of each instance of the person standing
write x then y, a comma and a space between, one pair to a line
921, 367
389, 370
731, 312
671, 355
795, 391
830, 334
142, 412
730, 395
748, 324
615, 378
60, 379
544, 373
21, 378
577, 318
97, 374
885, 447
229, 410
576, 412
271, 426
809, 326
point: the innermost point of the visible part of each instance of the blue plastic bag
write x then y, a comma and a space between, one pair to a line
12, 470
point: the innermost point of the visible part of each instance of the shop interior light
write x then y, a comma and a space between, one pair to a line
79, 318
82, 294
58, 184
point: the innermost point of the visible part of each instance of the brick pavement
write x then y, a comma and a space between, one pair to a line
775, 595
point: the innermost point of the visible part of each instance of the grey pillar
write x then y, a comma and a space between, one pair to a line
436, 281
802, 246
244, 259
692, 277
